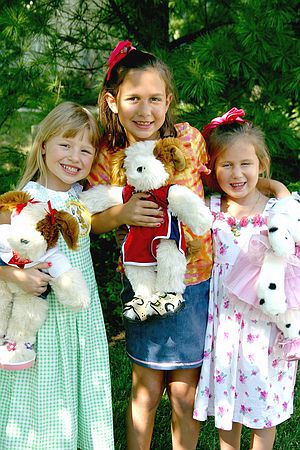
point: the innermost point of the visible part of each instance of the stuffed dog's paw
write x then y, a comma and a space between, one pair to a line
71, 290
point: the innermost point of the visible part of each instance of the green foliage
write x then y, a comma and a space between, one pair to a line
238, 62
105, 257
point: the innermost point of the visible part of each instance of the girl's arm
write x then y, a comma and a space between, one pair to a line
137, 211
272, 188
31, 280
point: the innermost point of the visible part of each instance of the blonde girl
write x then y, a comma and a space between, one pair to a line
64, 401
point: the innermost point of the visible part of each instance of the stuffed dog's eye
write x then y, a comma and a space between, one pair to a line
140, 169
24, 241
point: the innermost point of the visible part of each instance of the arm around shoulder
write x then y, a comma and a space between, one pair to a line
272, 188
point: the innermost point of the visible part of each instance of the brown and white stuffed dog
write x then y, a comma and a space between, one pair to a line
153, 258
29, 238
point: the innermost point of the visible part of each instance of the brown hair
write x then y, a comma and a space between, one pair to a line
222, 137
134, 60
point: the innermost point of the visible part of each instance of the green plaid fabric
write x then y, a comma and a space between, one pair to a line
64, 401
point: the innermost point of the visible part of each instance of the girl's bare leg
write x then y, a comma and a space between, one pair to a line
231, 440
146, 393
263, 439
181, 388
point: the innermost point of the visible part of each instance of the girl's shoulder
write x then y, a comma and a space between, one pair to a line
194, 142
185, 130
44, 194
268, 206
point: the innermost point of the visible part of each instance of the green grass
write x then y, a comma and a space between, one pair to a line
288, 433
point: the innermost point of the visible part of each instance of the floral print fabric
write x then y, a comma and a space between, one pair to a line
244, 377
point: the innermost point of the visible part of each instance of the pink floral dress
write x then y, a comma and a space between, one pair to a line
244, 377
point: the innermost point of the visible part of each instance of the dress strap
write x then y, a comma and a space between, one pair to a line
215, 203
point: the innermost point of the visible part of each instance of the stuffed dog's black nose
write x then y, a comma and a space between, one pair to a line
24, 241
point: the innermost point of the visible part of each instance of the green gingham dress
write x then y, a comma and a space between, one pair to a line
64, 401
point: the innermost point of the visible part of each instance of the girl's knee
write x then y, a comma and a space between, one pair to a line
147, 387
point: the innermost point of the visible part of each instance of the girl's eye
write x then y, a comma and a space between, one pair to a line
156, 99
88, 151
226, 165
132, 99
65, 145
246, 163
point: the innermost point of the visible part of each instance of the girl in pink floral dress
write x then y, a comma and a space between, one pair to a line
244, 378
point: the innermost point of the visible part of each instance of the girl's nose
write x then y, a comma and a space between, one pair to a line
74, 154
144, 108
236, 171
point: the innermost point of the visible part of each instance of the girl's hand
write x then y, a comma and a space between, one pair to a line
141, 211
31, 280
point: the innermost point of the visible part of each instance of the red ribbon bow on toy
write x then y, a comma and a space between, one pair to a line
233, 115
121, 50
20, 206
51, 212
17, 260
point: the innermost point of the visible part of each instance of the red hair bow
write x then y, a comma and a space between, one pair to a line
121, 50
233, 115
51, 212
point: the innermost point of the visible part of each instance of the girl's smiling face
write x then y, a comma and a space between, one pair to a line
67, 160
237, 169
141, 104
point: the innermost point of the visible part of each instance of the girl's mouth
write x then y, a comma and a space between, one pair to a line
70, 169
143, 124
238, 185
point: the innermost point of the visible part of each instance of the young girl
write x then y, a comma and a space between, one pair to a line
64, 401
134, 105
244, 378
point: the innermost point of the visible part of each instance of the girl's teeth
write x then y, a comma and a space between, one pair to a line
70, 169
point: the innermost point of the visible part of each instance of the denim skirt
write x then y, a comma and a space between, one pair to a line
174, 342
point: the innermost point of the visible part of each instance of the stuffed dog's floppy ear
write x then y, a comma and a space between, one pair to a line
69, 228
65, 224
171, 153
11, 199
8, 203
118, 175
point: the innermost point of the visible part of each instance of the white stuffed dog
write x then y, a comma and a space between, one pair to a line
284, 237
31, 237
153, 258
267, 274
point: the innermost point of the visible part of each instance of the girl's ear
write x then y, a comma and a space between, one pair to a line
110, 99
169, 100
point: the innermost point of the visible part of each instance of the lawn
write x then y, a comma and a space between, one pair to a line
15, 140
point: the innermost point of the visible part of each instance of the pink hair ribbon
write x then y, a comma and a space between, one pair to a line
233, 115
51, 212
120, 51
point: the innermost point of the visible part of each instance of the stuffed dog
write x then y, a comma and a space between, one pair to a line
31, 237
284, 238
153, 258
267, 274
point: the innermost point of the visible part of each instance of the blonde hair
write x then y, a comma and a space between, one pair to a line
221, 138
67, 119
